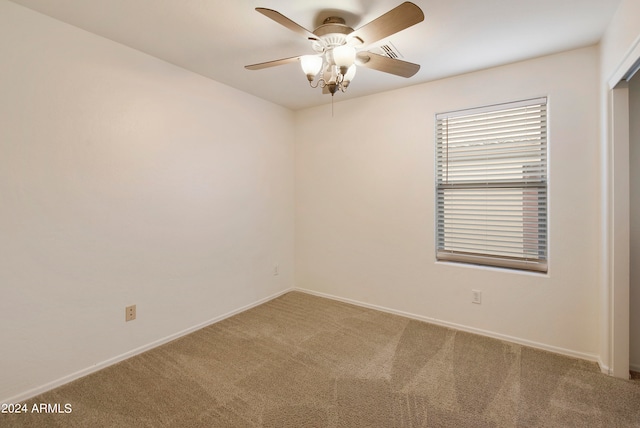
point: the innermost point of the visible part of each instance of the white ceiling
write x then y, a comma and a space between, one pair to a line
217, 38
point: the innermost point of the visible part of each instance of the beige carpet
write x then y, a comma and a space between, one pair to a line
305, 361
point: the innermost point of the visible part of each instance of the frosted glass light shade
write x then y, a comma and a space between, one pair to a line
346, 80
311, 65
350, 73
344, 56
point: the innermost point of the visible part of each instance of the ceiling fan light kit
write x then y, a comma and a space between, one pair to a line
338, 65
339, 47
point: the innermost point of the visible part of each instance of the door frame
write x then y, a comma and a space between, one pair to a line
616, 215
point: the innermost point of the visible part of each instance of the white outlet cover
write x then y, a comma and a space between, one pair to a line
477, 296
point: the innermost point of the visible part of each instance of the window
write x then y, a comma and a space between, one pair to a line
491, 185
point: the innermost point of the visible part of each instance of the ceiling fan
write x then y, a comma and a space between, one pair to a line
339, 48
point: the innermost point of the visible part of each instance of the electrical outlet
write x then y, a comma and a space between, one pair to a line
276, 270
476, 297
130, 313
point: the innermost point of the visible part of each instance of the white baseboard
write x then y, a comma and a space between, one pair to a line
468, 329
634, 367
111, 361
604, 368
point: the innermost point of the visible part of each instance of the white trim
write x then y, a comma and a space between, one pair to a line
563, 351
606, 211
632, 71
111, 361
634, 367
630, 58
620, 230
603, 368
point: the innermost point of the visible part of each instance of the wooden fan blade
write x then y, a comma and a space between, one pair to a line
386, 64
397, 19
274, 63
283, 20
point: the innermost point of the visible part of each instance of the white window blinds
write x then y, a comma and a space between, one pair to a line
491, 185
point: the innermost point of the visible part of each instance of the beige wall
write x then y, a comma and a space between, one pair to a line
365, 206
621, 36
125, 180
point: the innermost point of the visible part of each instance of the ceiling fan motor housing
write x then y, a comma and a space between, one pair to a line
333, 32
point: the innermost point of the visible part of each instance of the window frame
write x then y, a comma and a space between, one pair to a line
534, 193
